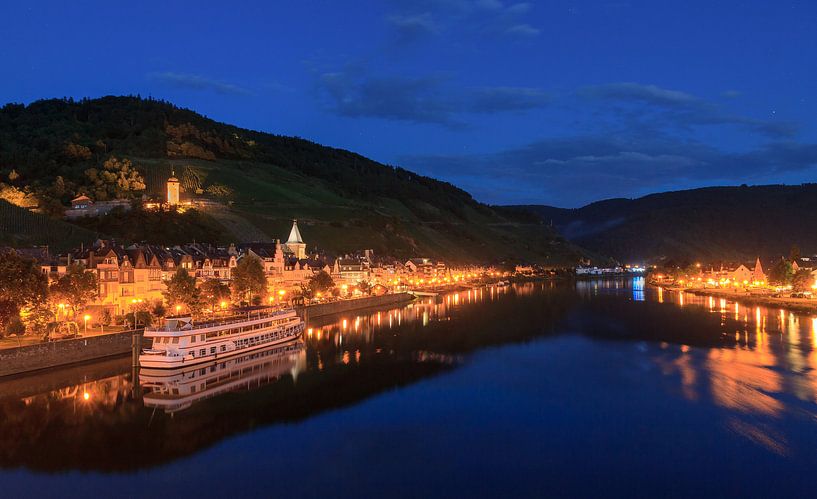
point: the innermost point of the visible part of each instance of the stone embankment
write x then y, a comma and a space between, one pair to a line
64, 352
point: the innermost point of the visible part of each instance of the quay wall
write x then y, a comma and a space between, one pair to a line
64, 352
337, 307
58, 353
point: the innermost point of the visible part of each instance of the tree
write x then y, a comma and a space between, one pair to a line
794, 253
117, 179
76, 288
781, 273
22, 286
321, 282
214, 292
364, 287
248, 279
219, 191
802, 280
181, 291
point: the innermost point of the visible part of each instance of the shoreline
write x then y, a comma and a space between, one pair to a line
803, 305
46, 356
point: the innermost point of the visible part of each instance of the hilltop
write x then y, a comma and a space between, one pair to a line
717, 223
257, 181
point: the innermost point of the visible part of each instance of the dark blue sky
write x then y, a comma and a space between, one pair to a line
517, 102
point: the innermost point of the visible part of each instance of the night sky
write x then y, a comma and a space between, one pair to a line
552, 102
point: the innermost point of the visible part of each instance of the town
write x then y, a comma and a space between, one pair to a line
107, 286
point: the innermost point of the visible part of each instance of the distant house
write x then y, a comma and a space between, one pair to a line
741, 274
83, 206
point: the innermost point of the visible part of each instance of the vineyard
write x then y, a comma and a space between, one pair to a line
20, 227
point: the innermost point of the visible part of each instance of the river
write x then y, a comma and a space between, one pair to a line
600, 387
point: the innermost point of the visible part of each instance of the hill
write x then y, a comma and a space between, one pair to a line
54, 149
20, 227
717, 223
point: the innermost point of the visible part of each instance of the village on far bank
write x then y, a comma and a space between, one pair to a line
110, 286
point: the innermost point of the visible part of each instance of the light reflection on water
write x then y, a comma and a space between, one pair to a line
752, 367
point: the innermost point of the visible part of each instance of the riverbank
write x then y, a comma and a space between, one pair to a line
47, 355
748, 298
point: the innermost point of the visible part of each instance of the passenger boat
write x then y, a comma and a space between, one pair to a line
181, 342
173, 390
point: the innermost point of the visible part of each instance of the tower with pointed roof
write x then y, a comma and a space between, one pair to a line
758, 275
295, 244
173, 186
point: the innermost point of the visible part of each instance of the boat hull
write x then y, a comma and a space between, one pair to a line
156, 361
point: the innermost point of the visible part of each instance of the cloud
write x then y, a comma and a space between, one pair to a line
649, 94
412, 27
523, 30
198, 82
673, 108
416, 19
502, 99
434, 99
577, 170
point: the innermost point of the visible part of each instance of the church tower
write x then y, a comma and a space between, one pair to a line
295, 244
173, 190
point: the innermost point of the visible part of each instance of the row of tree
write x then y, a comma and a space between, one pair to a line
28, 301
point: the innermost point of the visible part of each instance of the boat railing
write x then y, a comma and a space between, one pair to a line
233, 319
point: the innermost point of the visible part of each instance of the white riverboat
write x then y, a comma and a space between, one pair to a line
173, 390
182, 342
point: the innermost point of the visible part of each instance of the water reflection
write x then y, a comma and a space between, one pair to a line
754, 367
174, 390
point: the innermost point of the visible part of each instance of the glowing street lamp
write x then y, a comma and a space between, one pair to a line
86, 318
134, 301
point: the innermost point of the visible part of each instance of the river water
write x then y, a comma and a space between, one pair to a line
593, 388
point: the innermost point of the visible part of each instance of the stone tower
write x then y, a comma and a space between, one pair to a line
173, 186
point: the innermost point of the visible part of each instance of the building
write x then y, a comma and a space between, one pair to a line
757, 274
83, 206
295, 244
742, 274
173, 188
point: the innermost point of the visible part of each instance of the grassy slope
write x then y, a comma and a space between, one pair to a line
20, 227
270, 197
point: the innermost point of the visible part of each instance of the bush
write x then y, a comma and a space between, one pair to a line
16, 327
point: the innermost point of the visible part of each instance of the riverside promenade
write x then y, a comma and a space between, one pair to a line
807, 305
47, 355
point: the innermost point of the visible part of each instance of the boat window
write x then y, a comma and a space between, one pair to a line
175, 341
201, 338
212, 349
203, 351
192, 339
223, 348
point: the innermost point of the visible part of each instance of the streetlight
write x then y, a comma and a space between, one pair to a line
178, 308
86, 317
134, 301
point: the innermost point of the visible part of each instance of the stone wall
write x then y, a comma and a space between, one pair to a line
58, 353
337, 307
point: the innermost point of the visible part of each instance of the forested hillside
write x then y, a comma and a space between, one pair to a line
710, 224
126, 147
